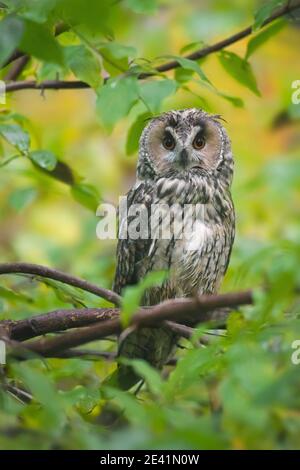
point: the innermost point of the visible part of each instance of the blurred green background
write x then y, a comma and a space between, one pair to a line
234, 400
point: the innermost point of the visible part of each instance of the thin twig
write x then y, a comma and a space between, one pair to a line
199, 54
16, 69
183, 330
18, 393
43, 271
47, 84
218, 46
89, 354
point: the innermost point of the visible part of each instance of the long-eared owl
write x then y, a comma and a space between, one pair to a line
185, 159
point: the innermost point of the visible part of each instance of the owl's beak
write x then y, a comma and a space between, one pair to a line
183, 157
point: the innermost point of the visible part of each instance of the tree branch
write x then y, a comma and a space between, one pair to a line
59, 320
218, 46
86, 353
202, 309
199, 54
47, 84
16, 69
181, 309
43, 271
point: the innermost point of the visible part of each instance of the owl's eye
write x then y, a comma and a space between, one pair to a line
168, 141
199, 142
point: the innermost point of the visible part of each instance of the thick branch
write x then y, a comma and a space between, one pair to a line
191, 311
59, 320
49, 346
43, 271
199, 54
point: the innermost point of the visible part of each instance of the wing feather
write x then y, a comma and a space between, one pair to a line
129, 251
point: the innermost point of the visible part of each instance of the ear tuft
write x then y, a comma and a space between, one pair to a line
218, 117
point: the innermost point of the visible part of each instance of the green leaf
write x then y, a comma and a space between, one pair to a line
44, 159
129, 405
130, 303
262, 37
239, 69
65, 294
16, 136
118, 51
7, 115
21, 198
50, 71
148, 373
134, 133
132, 295
40, 385
183, 75
11, 31
93, 16
234, 100
264, 12
86, 195
154, 92
84, 64
187, 370
116, 57
13, 296
142, 6
191, 65
37, 382
191, 46
39, 42
37, 10
115, 99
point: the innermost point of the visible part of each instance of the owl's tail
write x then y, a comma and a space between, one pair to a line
153, 345
123, 378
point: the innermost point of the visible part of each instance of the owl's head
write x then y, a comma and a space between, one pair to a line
178, 142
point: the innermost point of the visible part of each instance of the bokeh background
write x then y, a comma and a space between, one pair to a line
41, 221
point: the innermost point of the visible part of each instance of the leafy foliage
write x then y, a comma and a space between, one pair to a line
133, 294
264, 12
57, 161
39, 42
239, 69
263, 36
11, 30
134, 133
15, 135
152, 93
84, 64
117, 95
44, 159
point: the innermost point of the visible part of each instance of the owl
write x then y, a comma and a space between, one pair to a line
185, 160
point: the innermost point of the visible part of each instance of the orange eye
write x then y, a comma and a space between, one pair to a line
168, 141
199, 142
